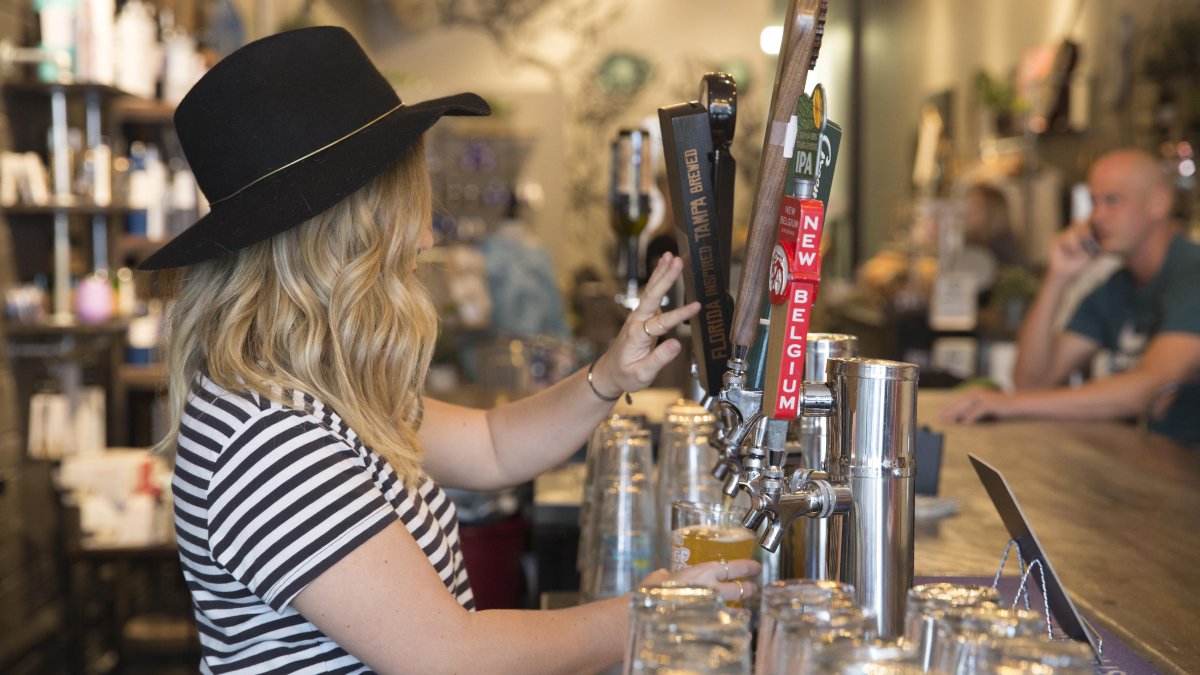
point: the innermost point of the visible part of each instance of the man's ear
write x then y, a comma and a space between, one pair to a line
1160, 201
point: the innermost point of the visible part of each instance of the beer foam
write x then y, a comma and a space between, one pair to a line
717, 533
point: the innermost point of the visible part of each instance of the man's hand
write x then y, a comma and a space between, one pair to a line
977, 405
1070, 252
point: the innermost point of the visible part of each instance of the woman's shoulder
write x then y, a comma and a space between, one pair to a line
229, 412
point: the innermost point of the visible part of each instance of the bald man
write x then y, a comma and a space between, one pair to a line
1147, 313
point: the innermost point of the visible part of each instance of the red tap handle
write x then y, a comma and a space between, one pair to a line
795, 277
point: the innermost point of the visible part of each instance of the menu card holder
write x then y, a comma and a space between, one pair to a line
1059, 603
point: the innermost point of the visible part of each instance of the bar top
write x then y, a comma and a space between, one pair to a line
1117, 512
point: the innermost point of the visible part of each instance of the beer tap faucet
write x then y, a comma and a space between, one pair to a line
738, 412
858, 420
781, 499
814, 497
766, 434
758, 467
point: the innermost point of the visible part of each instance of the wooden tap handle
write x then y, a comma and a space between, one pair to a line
803, 29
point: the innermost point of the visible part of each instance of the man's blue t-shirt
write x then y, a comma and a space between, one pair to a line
1124, 318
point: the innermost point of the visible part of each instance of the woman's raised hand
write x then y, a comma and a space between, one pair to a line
635, 357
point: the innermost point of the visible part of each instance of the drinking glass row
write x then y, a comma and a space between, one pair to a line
810, 626
637, 516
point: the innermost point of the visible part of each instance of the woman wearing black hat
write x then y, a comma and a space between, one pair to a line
312, 531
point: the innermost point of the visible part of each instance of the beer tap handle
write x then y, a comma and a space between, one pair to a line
803, 28
795, 272
687, 148
718, 94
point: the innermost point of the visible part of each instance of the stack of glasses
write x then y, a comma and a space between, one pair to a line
617, 521
790, 601
811, 626
926, 605
625, 517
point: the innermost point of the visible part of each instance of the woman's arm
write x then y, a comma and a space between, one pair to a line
384, 604
512, 443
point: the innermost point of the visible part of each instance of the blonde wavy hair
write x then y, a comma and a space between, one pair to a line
331, 308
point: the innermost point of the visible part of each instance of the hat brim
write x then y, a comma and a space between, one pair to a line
305, 189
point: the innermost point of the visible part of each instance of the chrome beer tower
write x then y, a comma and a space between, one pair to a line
858, 481
851, 475
857, 424
867, 482
822, 536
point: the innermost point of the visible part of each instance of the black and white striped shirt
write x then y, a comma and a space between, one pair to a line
267, 498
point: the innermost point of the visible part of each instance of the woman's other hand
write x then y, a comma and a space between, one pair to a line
635, 357
732, 579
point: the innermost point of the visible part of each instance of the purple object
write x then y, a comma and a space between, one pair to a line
94, 299
1118, 656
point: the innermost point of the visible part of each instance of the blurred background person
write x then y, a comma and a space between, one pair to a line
1147, 314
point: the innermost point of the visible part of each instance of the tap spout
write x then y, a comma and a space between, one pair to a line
815, 499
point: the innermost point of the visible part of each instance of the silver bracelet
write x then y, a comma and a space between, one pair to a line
602, 397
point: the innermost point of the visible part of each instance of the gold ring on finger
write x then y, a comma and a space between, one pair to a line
646, 329
741, 590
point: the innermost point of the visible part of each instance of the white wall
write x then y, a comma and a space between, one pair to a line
541, 81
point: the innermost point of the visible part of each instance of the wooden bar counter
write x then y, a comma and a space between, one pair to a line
1117, 512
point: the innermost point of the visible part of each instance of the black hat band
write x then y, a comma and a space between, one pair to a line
319, 150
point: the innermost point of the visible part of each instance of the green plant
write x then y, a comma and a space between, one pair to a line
1014, 283
996, 93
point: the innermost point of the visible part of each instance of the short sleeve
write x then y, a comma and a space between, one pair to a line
287, 500
1181, 303
1091, 319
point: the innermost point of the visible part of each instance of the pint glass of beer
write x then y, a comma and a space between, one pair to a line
703, 532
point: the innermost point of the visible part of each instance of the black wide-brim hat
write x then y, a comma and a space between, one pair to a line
285, 128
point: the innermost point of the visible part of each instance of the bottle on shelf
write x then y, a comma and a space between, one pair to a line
630, 205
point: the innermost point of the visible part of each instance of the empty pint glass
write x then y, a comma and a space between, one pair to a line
927, 602
656, 599
799, 635
608, 430
962, 631
788, 596
695, 640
